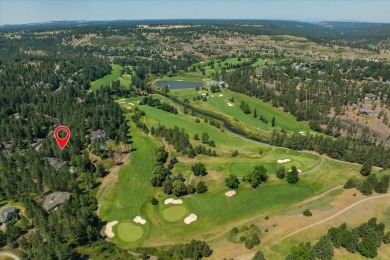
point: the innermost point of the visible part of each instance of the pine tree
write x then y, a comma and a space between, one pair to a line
273, 122
383, 185
366, 168
324, 248
258, 256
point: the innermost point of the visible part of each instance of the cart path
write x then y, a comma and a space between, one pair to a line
335, 215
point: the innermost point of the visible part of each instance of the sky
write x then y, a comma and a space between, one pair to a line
33, 11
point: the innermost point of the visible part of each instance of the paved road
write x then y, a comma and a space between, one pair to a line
335, 215
10, 255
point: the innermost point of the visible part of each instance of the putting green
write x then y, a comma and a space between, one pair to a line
175, 213
129, 232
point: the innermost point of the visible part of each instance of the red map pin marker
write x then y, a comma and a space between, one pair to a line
62, 141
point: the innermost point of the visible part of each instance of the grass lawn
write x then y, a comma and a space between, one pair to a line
174, 213
108, 79
128, 232
130, 195
219, 104
126, 196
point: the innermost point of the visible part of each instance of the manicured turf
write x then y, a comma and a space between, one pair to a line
125, 198
128, 232
174, 213
131, 195
219, 104
108, 79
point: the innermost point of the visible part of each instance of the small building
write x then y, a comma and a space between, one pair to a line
6, 213
57, 164
370, 96
53, 200
98, 134
366, 112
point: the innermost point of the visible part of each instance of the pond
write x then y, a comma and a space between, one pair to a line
178, 84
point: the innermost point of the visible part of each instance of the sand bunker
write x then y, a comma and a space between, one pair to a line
230, 104
230, 193
220, 95
203, 94
139, 220
299, 170
108, 231
173, 201
131, 104
190, 218
212, 95
283, 161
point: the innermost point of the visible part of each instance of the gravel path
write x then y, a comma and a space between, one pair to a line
10, 255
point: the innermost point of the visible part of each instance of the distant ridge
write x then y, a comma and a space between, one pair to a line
89, 22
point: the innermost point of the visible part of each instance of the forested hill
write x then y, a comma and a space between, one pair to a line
372, 36
42, 81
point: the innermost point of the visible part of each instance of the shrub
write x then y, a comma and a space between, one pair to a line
307, 213
154, 201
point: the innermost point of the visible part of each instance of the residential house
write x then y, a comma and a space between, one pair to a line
6, 213
53, 200
57, 164
98, 134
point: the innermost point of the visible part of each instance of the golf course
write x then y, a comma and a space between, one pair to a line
212, 212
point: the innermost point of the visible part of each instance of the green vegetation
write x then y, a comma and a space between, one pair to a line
364, 239
174, 213
108, 79
128, 232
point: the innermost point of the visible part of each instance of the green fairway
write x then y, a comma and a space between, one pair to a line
128, 232
130, 195
174, 213
219, 103
108, 79
125, 198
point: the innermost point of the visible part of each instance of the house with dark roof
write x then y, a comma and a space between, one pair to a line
53, 200
57, 164
6, 213
98, 134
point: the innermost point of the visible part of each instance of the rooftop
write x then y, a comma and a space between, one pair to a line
57, 164
6, 213
55, 199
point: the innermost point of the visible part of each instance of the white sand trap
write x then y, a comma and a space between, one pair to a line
108, 231
173, 201
190, 218
301, 132
230, 104
139, 220
230, 193
283, 161
220, 95
131, 104
203, 94
212, 95
299, 170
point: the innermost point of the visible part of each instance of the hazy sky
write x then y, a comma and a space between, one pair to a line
29, 11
